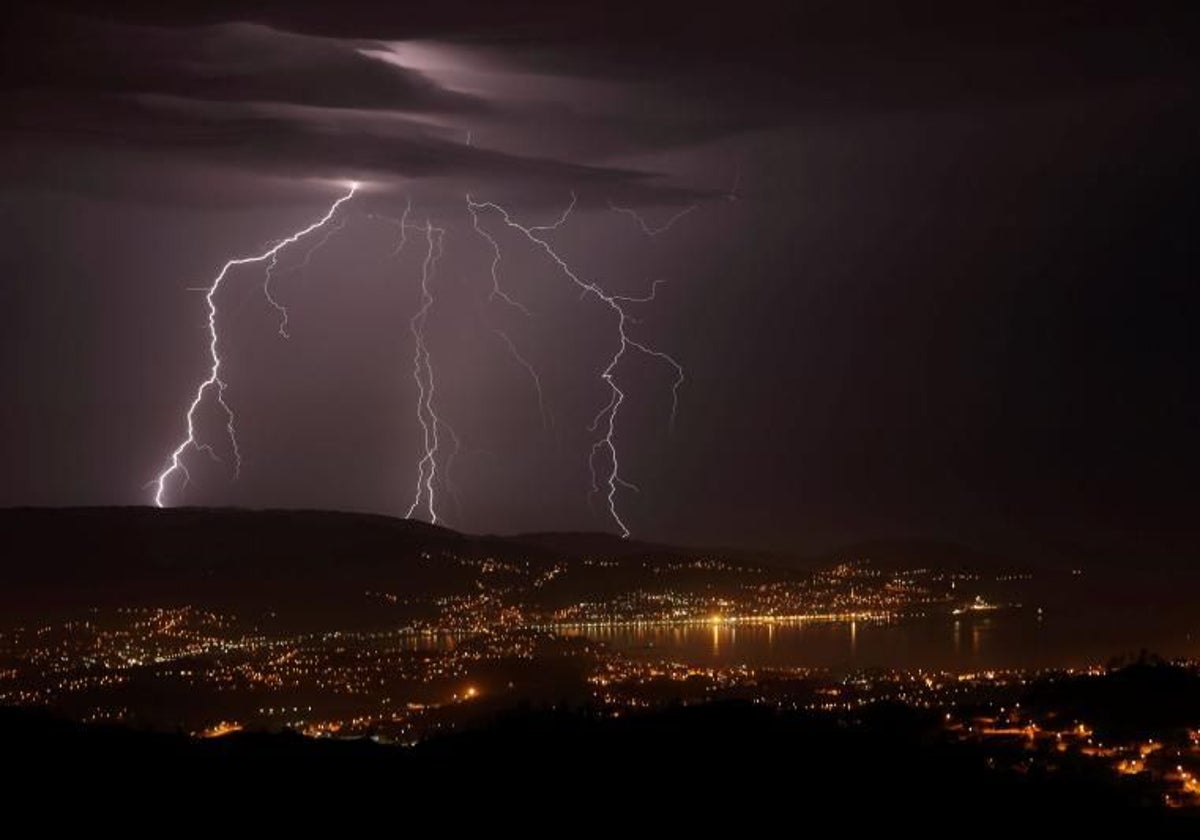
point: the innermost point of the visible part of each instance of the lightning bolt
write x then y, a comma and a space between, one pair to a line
270, 274
647, 228
423, 375
214, 383
650, 351
497, 292
529, 368
423, 371
606, 418
448, 468
400, 224
603, 454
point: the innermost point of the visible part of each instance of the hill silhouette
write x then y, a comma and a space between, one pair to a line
257, 560
72, 557
886, 769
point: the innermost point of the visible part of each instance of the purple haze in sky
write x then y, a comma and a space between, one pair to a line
938, 277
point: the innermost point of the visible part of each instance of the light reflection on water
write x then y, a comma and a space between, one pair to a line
1087, 623
1010, 639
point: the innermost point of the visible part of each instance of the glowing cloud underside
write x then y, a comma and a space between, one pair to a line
214, 384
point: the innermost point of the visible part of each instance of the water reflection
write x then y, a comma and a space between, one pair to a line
1070, 635
1017, 639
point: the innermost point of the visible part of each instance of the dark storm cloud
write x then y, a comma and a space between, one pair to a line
46, 133
865, 51
92, 103
773, 58
718, 70
685, 75
233, 62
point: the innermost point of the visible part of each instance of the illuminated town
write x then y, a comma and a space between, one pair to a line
511, 634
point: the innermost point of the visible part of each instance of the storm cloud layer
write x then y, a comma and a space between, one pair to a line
553, 93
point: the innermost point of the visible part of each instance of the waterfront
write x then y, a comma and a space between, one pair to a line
1077, 630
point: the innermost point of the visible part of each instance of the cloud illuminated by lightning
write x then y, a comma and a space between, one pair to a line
214, 382
606, 419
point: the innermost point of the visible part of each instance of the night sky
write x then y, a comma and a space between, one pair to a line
940, 278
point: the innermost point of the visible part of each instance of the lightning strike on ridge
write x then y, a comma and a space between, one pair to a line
647, 228
607, 416
214, 381
448, 468
423, 375
429, 421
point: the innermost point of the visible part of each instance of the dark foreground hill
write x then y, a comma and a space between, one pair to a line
728, 765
